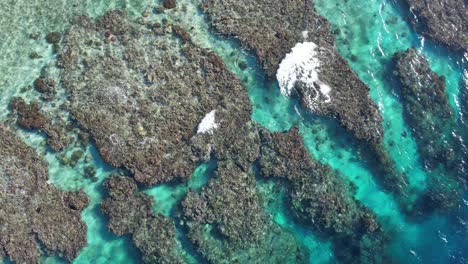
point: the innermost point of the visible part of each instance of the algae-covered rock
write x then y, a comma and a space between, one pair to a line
37, 218
427, 111
444, 21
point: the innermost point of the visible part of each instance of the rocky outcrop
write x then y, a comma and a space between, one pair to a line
143, 95
37, 218
444, 21
273, 29
130, 212
320, 198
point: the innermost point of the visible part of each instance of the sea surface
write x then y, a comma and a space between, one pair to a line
368, 33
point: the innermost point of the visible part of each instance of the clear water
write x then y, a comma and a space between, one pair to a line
370, 33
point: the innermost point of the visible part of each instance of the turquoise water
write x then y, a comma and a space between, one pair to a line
370, 33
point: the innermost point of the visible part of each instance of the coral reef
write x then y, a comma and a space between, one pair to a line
37, 218
443, 21
321, 199
273, 28
142, 97
130, 212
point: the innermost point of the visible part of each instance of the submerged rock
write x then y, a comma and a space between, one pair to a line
444, 21
37, 218
44, 85
53, 37
276, 246
277, 29
426, 108
320, 198
169, 4
427, 111
130, 212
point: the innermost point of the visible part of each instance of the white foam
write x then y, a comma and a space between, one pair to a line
208, 124
302, 65
305, 34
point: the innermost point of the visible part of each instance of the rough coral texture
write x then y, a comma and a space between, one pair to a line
426, 107
272, 28
427, 111
228, 201
444, 21
215, 250
319, 197
30, 117
142, 97
130, 212
37, 219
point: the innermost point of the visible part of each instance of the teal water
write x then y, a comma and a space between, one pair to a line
370, 33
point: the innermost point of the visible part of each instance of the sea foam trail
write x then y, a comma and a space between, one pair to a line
302, 64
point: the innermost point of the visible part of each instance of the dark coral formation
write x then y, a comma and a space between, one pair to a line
169, 4
321, 199
130, 212
53, 37
37, 219
269, 28
30, 117
272, 28
426, 108
44, 85
444, 21
428, 112
142, 97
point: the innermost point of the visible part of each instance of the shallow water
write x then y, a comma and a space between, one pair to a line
370, 33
